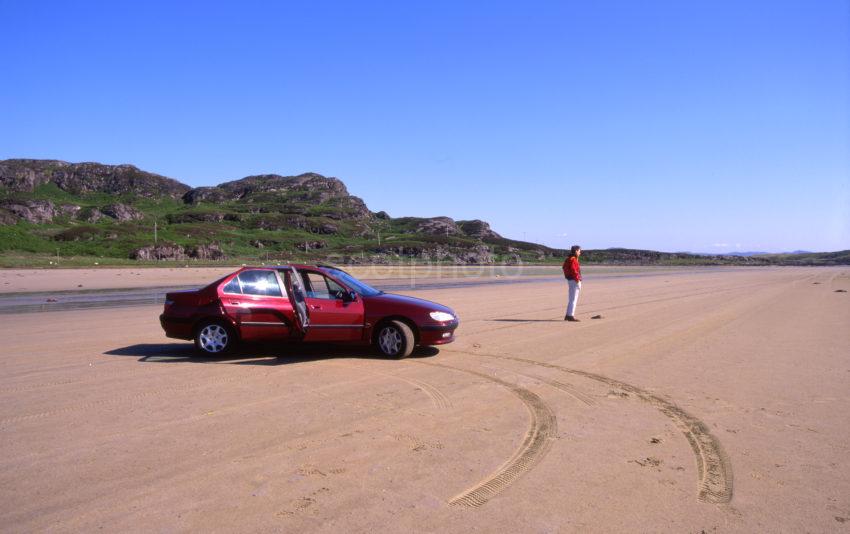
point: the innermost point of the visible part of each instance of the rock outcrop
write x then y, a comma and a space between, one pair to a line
477, 228
310, 245
308, 187
177, 252
202, 217
438, 226
25, 175
36, 211
122, 212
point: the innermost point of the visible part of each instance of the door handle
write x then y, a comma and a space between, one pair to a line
235, 302
315, 307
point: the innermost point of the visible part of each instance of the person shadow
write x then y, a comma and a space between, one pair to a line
256, 354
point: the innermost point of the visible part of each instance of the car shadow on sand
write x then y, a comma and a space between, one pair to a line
526, 320
255, 354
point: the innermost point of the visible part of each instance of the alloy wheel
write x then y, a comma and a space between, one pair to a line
214, 338
390, 341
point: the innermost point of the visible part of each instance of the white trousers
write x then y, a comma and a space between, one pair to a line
575, 289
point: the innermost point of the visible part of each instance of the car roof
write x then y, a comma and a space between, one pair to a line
291, 266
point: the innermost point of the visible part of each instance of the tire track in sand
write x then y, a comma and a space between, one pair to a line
538, 440
438, 399
715, 469
572, 391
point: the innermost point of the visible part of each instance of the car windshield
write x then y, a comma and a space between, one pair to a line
355, 284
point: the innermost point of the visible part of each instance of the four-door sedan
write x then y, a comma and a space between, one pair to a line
303, 303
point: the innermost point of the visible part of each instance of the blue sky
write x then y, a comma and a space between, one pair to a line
670, 125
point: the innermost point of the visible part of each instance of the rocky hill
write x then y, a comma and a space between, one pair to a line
120, 213
109, 211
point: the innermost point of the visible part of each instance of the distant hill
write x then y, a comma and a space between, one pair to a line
120, 214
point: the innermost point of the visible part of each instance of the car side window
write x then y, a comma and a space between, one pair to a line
336, 290
261, 283
321, 287
233, 287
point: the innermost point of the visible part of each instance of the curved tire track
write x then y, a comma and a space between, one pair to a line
715, 469
438, 399
566, 388
538, 440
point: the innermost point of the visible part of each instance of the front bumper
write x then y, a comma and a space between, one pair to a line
438, 334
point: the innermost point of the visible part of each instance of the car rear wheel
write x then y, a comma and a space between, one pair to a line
214, 339
395, 340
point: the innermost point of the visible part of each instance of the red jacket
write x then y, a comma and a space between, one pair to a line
572, 269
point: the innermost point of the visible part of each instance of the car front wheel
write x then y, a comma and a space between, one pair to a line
214, 339
395, 340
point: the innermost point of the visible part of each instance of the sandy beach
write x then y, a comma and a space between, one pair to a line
710, 400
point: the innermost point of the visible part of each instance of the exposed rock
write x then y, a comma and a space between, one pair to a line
206, 252
203, 216
383, 215
159, 252
205, 194
177, 252
92, 215
347, 208
80, 178
361, 229
69, 210
310, 245
304, 187
477, 255
34, 211
324, 228
437, 226
296, 209
478, 228
281, 222
122, 212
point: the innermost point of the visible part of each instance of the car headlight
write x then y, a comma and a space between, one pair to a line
442, 316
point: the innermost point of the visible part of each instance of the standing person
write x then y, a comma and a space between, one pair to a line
572, 272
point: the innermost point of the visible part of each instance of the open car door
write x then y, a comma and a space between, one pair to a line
295, 291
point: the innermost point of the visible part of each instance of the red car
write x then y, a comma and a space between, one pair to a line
303, 303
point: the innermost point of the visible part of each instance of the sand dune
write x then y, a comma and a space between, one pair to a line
703, 400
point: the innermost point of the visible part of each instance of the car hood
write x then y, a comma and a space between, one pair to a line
391, 298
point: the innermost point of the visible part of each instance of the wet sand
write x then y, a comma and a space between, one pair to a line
705, 400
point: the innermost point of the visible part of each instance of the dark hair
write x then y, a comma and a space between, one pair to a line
574, 249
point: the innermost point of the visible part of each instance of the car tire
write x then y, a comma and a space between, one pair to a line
395, 340
214, 339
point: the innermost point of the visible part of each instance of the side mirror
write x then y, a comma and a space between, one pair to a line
351, 296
